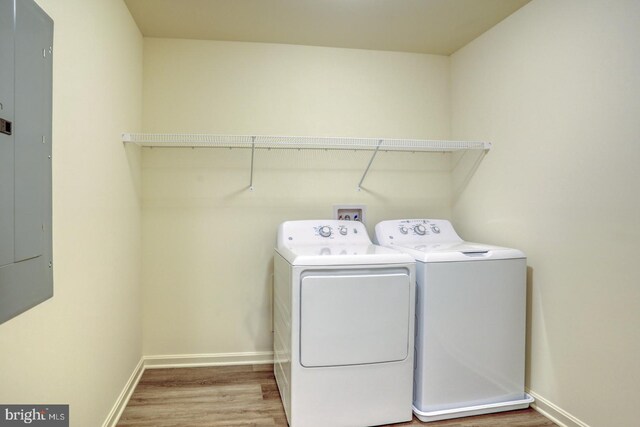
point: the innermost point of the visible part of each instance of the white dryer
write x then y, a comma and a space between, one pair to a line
470, 329
343, 326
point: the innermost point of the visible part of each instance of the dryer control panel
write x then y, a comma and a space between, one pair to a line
425, 231
323, 232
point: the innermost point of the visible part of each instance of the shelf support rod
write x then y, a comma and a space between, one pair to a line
253, 150
369, 165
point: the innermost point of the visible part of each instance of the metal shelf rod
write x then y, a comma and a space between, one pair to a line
373, 156
253, 150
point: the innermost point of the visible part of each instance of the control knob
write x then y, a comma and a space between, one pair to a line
403, 229
420, 229
435, 229
343, 230
325, 231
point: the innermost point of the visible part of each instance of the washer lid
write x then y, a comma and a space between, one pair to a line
343, 254
435, 240
458, 251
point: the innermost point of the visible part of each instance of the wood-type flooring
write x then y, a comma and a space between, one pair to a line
247, 395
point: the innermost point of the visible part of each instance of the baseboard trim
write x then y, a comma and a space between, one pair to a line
200, 360
554, 412
125, 395
180, 361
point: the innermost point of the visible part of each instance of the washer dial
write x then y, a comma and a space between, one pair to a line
420, 229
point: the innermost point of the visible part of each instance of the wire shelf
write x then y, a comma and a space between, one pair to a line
298, 142
194, 140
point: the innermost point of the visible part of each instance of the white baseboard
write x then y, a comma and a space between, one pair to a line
125, 395
554, 413
215, 359
181, 361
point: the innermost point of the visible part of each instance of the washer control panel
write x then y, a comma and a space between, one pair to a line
310, 232
397, 232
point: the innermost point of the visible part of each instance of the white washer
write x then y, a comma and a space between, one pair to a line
470, 327
343, 326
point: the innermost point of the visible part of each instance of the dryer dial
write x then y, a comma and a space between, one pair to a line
325, 231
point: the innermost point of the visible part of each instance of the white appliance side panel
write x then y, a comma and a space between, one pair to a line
471, 333
349, 319
282, 301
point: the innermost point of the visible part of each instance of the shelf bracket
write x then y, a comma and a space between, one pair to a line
373, 156
253, 150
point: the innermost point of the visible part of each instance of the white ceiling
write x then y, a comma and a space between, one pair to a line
422, 26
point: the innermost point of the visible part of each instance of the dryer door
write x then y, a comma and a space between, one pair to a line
348, 318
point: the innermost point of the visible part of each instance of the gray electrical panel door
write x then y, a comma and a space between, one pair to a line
26, 47
6, 140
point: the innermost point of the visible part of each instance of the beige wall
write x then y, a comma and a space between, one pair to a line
208, 240
81, 346
555, 88
258, 88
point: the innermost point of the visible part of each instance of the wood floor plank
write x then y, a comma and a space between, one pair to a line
247, 395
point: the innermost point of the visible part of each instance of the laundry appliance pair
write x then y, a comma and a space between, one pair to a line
357, 343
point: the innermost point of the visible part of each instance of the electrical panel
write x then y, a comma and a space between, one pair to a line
26, 49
